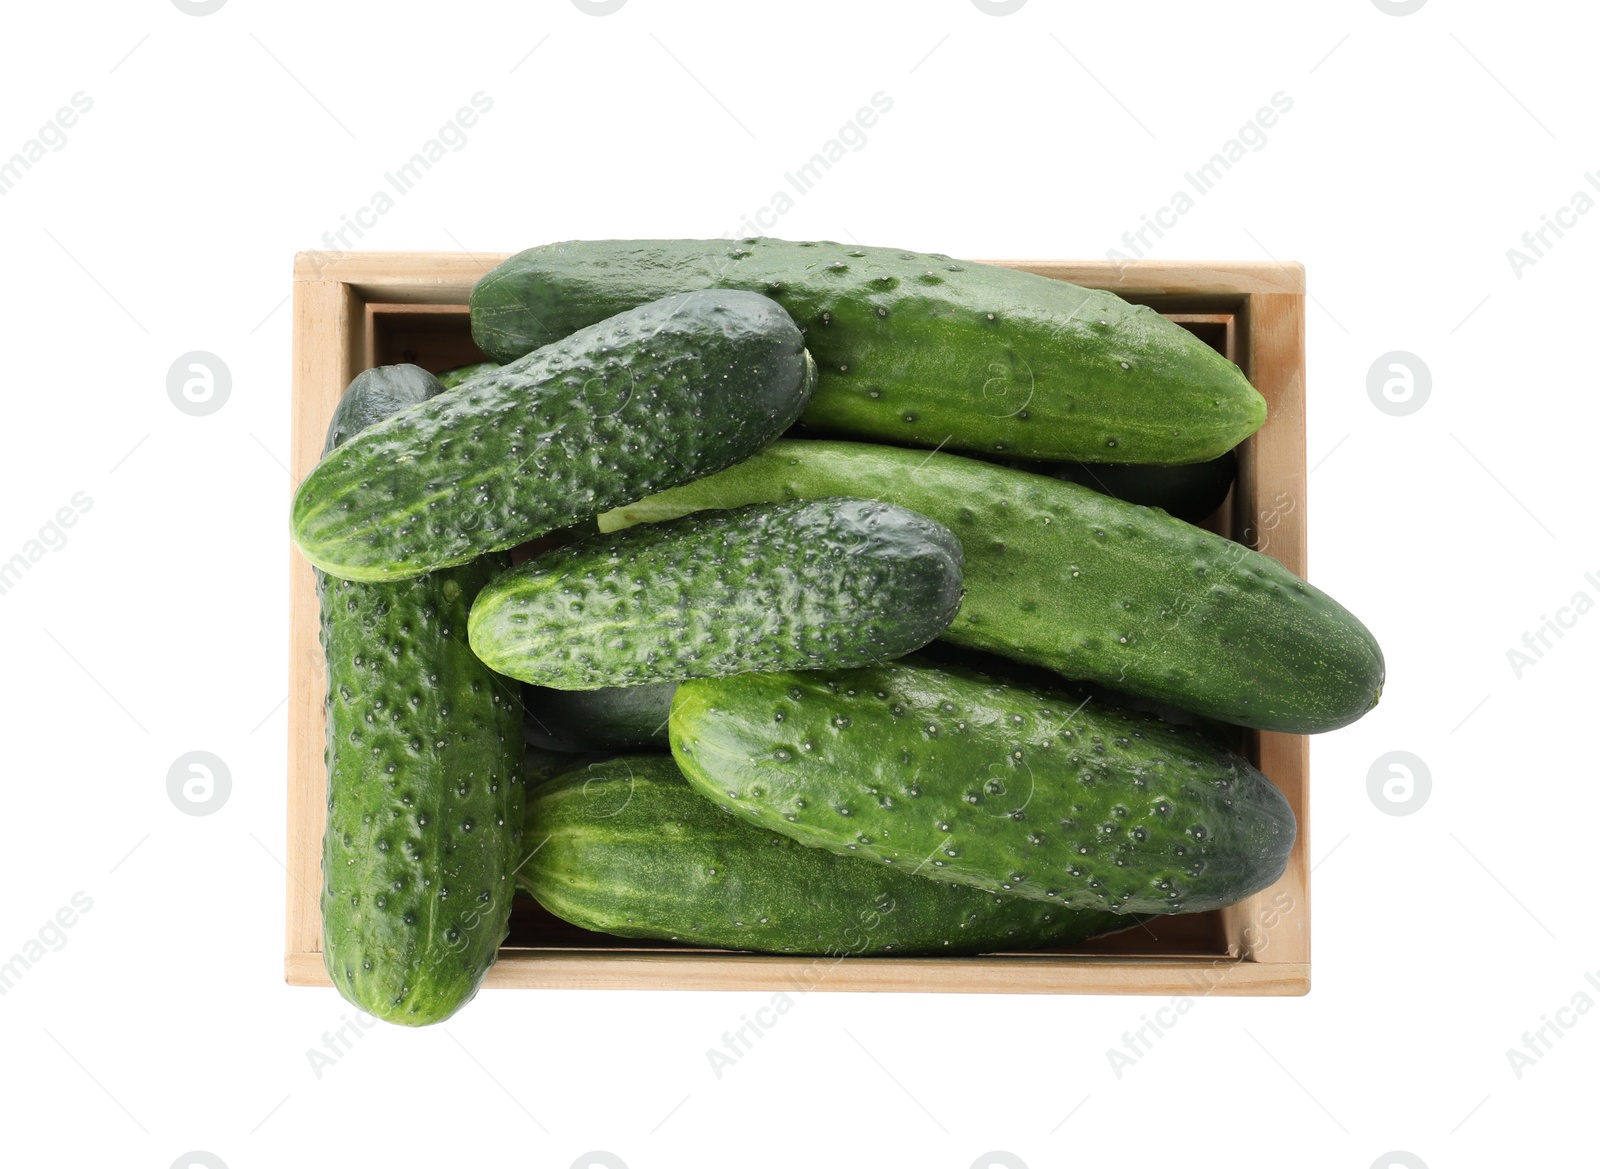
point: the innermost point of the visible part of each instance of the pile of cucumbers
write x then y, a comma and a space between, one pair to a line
855, 609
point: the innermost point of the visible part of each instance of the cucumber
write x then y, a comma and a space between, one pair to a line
919, 350
1188, 493
1091, 587
374, 395
780, 586
1000, 787
947, 655
650, 398
627, 848
424, 773
451, 378
612, 718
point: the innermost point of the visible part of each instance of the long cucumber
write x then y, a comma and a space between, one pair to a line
645, 400
916, 349
424, 757
1091, 587
627, 847
780, 586
956, 775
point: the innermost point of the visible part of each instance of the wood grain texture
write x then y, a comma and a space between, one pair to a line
1270, 515
399, 277
447, 277
326, 325
1182, 278
1008, 974
351, 308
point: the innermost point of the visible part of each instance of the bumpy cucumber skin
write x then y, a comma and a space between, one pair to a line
424, 796
628, 848
612, 718
424, 775
1001, 787
918, 350
648, 399
801, 584
1091, 587
451, 378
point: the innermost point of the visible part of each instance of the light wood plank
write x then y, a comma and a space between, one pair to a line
1170, 277
447, 277
326, 324
399, 277
638, 970
1274, 926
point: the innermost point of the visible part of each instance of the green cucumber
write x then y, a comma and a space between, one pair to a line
1091, 587
915, 349
1191, 492
1004, 788
451, 378
612, 718
374, 395
650, 398
948, 655
628, 848
796, 585
424, 773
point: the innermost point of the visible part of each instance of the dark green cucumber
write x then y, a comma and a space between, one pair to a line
451, 378
781, 586
613, 718
645, 400
916, 349
1190, 492
950, 773
424, 773
628, 848
375, 394
1091, 587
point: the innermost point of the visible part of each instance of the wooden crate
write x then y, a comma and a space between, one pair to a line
356, 310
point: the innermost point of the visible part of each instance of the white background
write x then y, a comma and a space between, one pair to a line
1418, 150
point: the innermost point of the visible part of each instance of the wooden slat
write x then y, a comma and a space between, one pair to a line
1141, 278
639, 970
1274, 926
326, 323
399, 277
447, 277
444, 311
